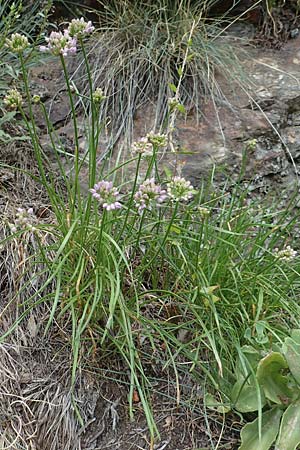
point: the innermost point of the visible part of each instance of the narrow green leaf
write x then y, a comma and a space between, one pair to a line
181, 108
289, 433
270, 426
269, 376
172, 87
180, 71
248, 357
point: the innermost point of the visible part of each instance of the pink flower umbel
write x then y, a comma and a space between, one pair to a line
106, 195
149, 194
60, 44
79, 28
142, 147
180, 189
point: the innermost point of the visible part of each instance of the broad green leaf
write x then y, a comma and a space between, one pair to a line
270, 426
295, 335
269, 376
262, 337
291, 351
289, 433
245, 396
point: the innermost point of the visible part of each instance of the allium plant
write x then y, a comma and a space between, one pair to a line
98, 96
105, 266
286, 254
149, 195
17, 43
106, 195
142, 147
180, 189
158, 140
24, 220
60, 44
13, 99
80, 28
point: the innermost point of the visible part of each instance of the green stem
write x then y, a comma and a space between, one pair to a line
139, 233
164, 239
76, 164
99, 256
131, 199
31, 126
92, 141
51, 130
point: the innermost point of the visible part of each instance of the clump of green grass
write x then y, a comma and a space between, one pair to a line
151, 263
138, 49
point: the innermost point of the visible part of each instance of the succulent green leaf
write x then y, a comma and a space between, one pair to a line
245, 396
289, 433
270, 426
291, 351
295, 335
269, 376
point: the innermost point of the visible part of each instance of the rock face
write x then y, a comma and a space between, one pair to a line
266, 109
269, 112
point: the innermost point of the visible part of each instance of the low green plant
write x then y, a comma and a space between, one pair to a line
268, 383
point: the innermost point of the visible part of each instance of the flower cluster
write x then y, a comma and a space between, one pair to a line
149, 194
78, 27
24, 220
286, 254
251, 145
106, 195
98, 96
17, 43
142, 147
173, 103
60, 44
13, 99
203, 212
65, 43
180, 189
157, 140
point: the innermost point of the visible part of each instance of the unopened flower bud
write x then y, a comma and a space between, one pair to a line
17, 43
13, 99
